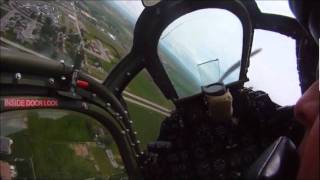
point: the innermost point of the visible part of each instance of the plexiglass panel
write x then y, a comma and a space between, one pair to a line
274, 69
57, 144
275, 7
198, 48
147, 107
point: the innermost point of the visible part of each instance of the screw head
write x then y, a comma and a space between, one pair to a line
51, 81
18, 76
85, 106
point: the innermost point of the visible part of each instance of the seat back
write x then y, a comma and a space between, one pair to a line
280, 161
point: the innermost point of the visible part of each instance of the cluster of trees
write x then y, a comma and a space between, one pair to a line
48, 40
48, 34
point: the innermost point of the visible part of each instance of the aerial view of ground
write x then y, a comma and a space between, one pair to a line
70, 146
67, 145
55, 30
57, 144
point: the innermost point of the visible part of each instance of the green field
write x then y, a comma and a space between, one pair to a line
105, 65
142, 85
93, 71
106, 168
93, 33
111, 21
69, 128
146, 123
47, 145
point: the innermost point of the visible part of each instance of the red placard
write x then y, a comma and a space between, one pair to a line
30, 102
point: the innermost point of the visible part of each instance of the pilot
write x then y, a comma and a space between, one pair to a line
307, 107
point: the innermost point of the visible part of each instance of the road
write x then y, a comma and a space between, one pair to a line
146, 101
127, 95
113, 161
146, 106
142, 102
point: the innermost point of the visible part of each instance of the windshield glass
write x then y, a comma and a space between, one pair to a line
200, 48
57, 144
278, 53
54, 30
275, 7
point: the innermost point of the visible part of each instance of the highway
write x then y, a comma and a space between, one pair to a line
146, 106
146, 101
142, 101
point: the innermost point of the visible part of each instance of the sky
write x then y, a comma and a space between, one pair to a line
274, 68
193, 40
280, 7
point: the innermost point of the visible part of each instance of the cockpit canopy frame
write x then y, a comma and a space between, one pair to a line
154, 19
